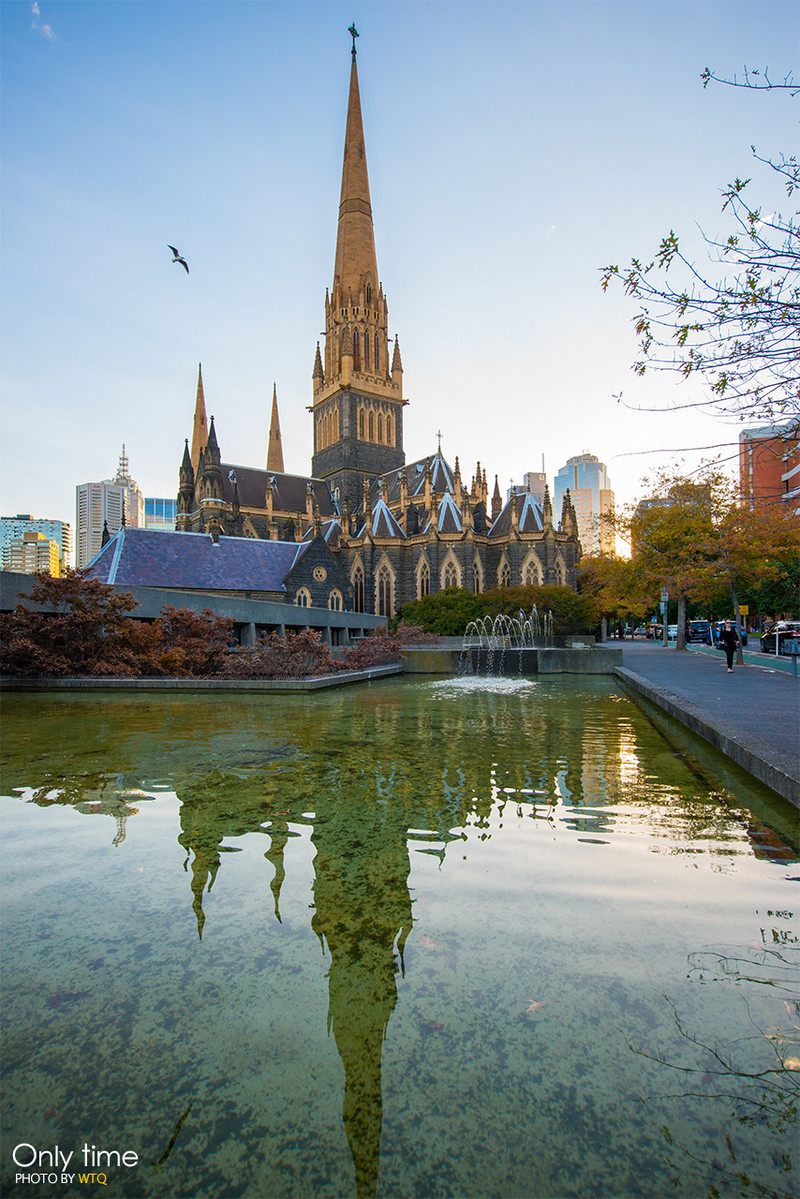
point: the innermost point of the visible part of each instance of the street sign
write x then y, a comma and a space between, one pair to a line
744, 609
665, 597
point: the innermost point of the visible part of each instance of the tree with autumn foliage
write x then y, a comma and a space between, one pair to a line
77, 626
692, 536
72, 625
617, 586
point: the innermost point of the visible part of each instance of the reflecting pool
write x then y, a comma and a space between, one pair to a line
475, 938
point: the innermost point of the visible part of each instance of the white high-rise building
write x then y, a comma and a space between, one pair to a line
106, 506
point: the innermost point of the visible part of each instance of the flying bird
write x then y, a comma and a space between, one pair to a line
176, 257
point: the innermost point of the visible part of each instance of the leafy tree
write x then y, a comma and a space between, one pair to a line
295, 656
617, 587
571, 611
447, 612
778, 596
77, 626
191, 643
691, 535
738, 332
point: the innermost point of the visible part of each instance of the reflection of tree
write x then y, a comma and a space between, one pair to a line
757, 1076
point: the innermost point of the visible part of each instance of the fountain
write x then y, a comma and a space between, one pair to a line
526, 644
488, 640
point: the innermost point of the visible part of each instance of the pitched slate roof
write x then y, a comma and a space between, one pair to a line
288, 491
450, 517
384, 524
149, 558
441, 479
331, 532
530, 516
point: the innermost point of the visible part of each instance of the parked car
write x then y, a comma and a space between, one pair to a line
784, 632
654, 632
640, 631
718, 629
672, 632
700, 630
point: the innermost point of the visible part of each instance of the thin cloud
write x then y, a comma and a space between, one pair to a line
45, 31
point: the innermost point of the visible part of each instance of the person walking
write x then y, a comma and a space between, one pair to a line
729, 641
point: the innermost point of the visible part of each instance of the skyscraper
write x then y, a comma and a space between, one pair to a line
586, 479
14, 528
32, 553
105, 507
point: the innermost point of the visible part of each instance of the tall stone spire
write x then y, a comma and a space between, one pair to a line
355, 264
275, 448
200, 430
357, 383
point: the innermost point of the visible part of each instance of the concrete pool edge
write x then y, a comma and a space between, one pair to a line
314, 683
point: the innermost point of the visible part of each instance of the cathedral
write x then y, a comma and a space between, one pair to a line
386, 531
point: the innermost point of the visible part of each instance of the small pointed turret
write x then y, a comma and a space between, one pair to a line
186, 484
317, 374
547, 510
397, 363
497, 500
200, 429
275, 447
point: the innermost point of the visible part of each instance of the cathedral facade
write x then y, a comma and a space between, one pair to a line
397, 531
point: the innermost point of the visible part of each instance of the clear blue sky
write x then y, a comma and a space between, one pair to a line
513, 148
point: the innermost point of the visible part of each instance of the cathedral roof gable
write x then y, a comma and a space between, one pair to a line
530, 516
288, 491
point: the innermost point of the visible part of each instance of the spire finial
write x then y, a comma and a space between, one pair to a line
354, 34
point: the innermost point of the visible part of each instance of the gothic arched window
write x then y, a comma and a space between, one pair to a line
532, 575
450, 575
303, 598
389, 429
366, 351
504, 575
335, 601
385, 592
356, 350
377, 353
371, 425
361, 424
380, 427
423, 580
358, 588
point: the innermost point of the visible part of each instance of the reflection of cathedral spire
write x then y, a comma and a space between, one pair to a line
278, 837
362, 908
206, 857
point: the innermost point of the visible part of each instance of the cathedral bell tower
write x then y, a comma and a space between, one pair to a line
358, 379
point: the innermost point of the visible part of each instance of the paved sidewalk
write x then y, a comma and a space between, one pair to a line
752, 715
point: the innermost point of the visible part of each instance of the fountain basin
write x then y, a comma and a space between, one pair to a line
455, 658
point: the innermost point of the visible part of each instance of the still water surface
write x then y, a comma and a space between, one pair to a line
414, 939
